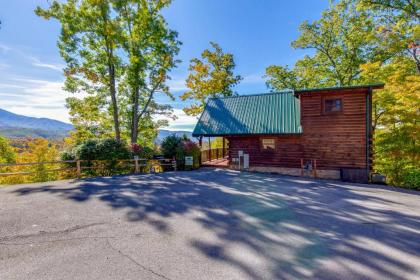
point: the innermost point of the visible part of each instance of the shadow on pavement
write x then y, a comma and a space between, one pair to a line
300, 228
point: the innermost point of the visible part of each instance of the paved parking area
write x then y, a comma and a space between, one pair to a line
208, 224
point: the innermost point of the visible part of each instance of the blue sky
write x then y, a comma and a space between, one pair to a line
257, 32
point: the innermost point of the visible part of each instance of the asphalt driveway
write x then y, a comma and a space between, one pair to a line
208, 224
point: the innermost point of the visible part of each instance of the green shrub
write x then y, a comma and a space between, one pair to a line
104, 149
170, 145
180, 147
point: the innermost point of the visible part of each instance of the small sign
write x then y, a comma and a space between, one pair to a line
246, 161
136, 157
189, 161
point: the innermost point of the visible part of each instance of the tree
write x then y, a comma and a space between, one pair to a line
343, 39
398, 24
212, 76
88, 44
119, 52
7, 153
39, 150
363, 42
151, 48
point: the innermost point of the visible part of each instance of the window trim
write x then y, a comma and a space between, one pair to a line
267, 149
332, 112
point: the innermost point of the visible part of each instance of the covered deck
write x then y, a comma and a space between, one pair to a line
218, 157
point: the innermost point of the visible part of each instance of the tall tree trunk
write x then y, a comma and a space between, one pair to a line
135, 119
113, 93
111, 68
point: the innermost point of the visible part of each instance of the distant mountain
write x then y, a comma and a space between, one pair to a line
17, 126
8, 119
164, 133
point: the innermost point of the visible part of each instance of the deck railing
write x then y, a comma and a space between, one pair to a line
213, 154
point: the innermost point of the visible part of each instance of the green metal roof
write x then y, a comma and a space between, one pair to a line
267, 113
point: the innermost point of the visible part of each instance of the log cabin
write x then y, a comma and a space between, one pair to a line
324, 132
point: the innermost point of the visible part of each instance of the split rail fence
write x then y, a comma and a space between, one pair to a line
86, 168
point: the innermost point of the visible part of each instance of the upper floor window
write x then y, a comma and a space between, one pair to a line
333, 105
268, 144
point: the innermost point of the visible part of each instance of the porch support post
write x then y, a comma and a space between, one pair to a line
223, 147
209, 150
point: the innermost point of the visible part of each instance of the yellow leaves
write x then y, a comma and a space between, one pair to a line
209, 77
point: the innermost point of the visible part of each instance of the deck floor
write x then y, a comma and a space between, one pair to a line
221, 162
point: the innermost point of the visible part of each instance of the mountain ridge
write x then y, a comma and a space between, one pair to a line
18, 126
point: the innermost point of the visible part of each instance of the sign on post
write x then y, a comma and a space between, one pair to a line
189, 161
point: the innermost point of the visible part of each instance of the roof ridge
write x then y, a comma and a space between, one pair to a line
256, 94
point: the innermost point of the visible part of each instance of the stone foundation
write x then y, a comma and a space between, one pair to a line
324, 174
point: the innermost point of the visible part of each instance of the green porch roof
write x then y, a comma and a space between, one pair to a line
267, 113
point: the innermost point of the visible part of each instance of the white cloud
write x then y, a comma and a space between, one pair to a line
182, 121
36, 62
43, 98
37, 98
4, 48
177, 85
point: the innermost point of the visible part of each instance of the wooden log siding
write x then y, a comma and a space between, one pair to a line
336, 140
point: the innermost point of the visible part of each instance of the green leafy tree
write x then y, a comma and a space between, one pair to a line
89, 44
361, 42
398, 26
151, 48
119, 52
395, 109
342, 40
210, 76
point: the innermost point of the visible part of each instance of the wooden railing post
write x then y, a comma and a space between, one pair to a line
174, 163
136, 163
78, 168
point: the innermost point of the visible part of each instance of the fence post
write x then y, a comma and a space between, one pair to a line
136, 162
174, 163
78, 168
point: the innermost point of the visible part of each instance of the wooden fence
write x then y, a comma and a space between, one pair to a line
79, 166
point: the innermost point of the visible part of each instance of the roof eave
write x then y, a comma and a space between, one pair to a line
367, 87
245, 134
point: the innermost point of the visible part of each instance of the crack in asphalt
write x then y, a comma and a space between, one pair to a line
46, 233
135, 262
58, 240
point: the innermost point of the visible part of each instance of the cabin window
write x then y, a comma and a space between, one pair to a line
268, 144
333, 105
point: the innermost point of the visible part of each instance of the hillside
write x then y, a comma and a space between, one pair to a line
16, 126
8, 119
